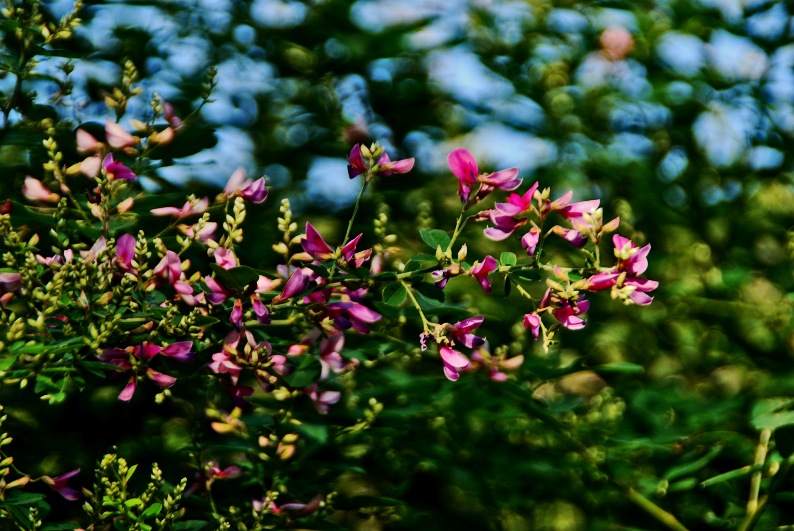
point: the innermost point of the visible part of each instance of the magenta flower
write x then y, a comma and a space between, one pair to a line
461, 331
530, 240
480, 271
315, 245
297, 283
388, 167
504, 216
195, 206
59, 485
453, 361
225, 258
348, 314
322, 400
384, 167
574, 237
464, 167
116, 170
144, 353
566, 311
240, 185
601, 281
356, 165
633, 261
170, 270
125, 251
532, 322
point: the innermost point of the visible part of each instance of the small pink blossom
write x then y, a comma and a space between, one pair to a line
117, 137
240, 185
34, 190
480, 271
464, 167
532, 322
322, 400
453, 361
194, 206
530, 240
225, 258
59, 485
116, 170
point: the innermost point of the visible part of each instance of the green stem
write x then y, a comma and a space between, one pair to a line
460, 223
355, 211
425, 322
670, 521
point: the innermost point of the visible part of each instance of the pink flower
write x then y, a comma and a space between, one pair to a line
348, 314
388, 167
464, 167
532, 322
225, 258
530, 240
116, 170
461, 331
480, 271
34, 190
117, 137
170, 270
145, 352
195, 206
202, 235
356, 165
505, 215
315, 245
59, 485
575, 238
297, 283
125, 251
322, 400
86, 143
385, 166
566, 311
453, 361
631, 259
240, 185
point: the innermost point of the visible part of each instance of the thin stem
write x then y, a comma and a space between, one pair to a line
425, 322
753, 506
654, 510
355, 211
460, 223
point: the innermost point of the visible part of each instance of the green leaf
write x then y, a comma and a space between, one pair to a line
315, 432
237, 278
60, 527
507, 258
435, 238
16, 497
619, 367
772, 413
132, 502
152, 510
429, 291
306, 373
394, 294
130, 472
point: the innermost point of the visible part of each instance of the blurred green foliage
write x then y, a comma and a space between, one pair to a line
685, 136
